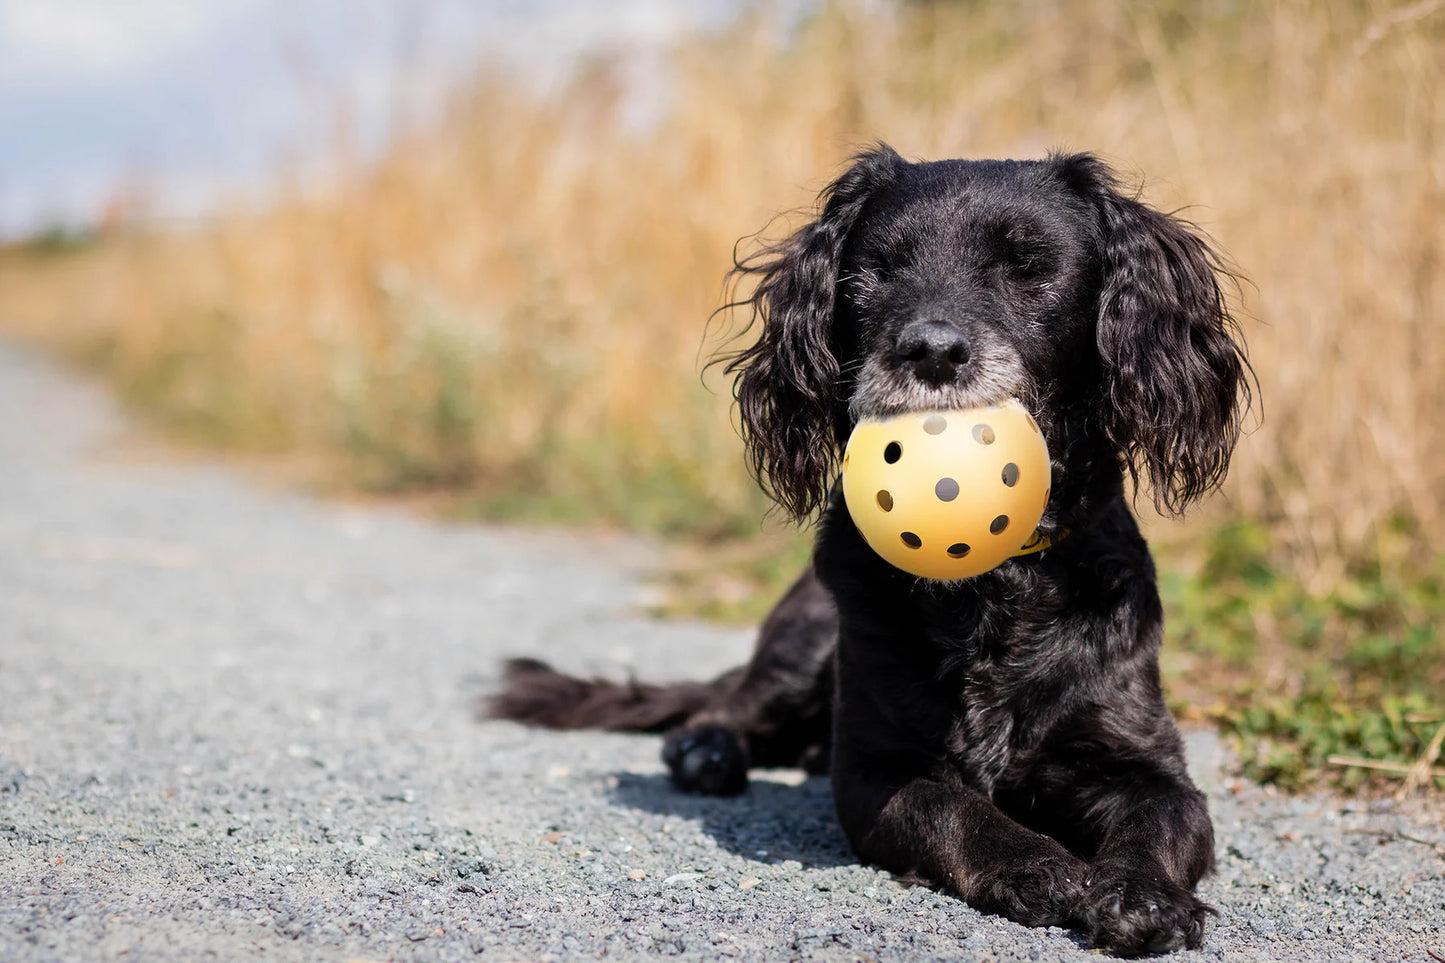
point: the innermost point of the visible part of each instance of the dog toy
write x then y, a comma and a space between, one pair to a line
948, 494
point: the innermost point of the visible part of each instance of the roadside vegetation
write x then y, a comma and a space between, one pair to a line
508, 309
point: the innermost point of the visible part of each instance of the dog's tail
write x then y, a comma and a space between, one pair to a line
536, 694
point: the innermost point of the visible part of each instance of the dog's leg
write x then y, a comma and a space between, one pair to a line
951, 835
776, 711
1155, 842
1126, 803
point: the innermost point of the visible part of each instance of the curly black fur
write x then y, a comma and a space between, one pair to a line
1004, 737
786, 381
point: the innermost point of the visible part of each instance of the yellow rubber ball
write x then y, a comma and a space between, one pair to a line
947, 494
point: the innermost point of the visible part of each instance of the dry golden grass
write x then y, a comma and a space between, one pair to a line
512, 304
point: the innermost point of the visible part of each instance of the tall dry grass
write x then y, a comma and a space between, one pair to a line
512, 303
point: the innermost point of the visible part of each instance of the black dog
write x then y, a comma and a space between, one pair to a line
1003, 737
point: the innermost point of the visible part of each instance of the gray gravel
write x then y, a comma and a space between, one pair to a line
236, 723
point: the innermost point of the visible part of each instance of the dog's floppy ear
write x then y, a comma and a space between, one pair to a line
786, 382
1177, 382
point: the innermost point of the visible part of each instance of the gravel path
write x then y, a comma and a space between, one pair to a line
237, 724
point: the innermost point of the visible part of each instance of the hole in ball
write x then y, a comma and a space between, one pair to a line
885, 500
893, 452
958, 549
983, 434
1010, 474
998, 524
911, 540
934, 424
946, 489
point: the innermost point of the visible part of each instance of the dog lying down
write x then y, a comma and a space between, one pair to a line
1002, 737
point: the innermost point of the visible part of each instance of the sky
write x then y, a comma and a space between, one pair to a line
187, 102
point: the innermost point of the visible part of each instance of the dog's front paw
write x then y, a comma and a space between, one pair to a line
706, 759
1132, 914
1043, 889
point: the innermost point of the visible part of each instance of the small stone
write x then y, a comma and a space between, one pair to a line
636, 874
681, 878
748, 882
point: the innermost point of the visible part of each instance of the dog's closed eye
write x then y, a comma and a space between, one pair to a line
890, 255
1021, 252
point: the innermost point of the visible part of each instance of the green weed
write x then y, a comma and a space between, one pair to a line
1357, 670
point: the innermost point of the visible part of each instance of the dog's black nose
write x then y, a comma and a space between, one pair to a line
933, 350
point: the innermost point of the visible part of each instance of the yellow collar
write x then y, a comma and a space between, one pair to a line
1038, 541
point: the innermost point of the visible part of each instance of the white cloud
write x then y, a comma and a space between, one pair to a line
44, 39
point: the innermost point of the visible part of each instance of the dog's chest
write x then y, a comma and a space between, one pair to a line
1006, 697
972, 673
976, 673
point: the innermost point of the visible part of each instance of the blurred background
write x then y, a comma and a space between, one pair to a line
465, 253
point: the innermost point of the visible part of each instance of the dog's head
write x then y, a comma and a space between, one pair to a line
959, 283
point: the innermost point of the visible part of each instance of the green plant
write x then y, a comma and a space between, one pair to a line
1300, 676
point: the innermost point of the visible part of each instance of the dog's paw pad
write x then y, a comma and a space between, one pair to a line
1138, 916
707, 759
